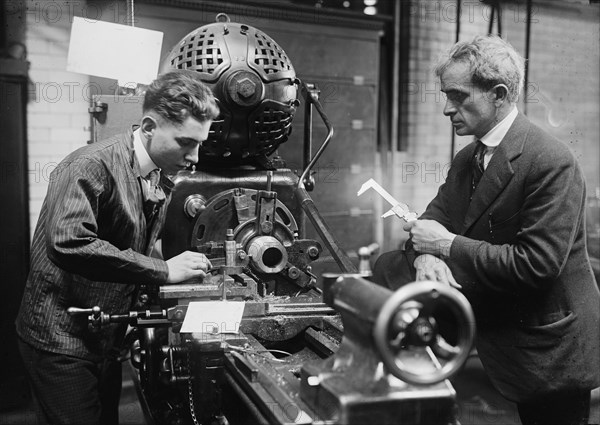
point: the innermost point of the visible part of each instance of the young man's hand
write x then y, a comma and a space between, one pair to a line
187, 265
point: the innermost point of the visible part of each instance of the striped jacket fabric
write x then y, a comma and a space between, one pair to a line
90, 248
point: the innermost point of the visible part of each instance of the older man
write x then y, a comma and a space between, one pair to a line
507, 228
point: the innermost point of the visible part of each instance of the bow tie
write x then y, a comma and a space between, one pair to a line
153, 194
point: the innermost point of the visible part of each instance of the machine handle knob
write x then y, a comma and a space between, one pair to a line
76, 310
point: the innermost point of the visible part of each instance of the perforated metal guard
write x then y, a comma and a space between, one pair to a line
269, 55
270, 127
257, 95
199, 53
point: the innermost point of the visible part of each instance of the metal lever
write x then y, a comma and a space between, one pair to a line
312, 99
76, 310
269, 178
95, 316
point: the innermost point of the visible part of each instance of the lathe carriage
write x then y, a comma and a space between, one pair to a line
308, 349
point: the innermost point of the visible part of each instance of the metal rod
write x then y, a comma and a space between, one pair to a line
130, 13
269, 179
452, 135
499, 18
491, 25
527, 47
307, 129
338, 254
312, 98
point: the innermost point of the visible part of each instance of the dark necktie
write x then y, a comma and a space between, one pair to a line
154, 196
477, 165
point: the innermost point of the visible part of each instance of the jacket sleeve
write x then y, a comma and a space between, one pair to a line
550, 220
436, 210
76, 190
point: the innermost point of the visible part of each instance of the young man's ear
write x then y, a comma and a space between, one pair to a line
148, 126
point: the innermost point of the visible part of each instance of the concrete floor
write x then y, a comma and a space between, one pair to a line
130, 412
479, 403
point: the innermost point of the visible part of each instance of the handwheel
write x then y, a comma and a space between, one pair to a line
407, 317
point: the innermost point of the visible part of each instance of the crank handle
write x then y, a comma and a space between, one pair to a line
76, 310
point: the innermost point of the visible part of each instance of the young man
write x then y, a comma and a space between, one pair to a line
105, 206
507, 229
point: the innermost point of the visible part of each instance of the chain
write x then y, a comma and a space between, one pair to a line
191, 391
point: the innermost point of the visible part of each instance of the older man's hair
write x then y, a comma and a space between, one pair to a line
492, 60
179, 94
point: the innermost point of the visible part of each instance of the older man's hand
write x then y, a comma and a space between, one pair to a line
433, 268
430, 237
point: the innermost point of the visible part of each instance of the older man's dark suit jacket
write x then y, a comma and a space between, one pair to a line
90, 247
520, 256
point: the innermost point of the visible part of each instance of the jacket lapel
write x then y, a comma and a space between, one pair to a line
137, 195
498, 173
159, 219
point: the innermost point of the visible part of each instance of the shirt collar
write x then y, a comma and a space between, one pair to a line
146, 163
496, 134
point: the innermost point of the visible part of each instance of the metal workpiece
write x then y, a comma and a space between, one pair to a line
267, 254
194, 205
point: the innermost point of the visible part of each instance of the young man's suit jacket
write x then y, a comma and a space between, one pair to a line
90, 248
521, 258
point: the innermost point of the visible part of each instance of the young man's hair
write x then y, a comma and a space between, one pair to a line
492, 61
176, 95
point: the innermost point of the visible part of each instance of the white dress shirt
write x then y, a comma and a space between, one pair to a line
146, 163
493, 137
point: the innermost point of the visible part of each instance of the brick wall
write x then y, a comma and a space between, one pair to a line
564, 90
58, 121
563, 79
